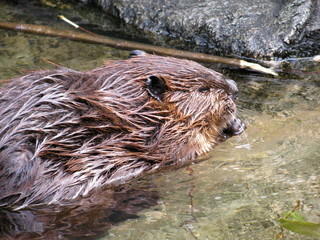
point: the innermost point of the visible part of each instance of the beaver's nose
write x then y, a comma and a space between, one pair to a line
235, 127
233, 88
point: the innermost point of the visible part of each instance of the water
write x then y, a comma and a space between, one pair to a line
246, 183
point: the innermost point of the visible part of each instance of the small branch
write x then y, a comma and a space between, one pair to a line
127, 45
75, 25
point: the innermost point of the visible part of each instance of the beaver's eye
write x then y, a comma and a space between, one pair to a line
204, 89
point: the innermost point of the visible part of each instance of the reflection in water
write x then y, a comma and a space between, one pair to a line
88, 220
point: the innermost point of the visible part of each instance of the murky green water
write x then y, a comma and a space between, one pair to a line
248, 182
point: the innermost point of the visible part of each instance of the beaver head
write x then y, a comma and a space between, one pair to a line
64, 133
192, 106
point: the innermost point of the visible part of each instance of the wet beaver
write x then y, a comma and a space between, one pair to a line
64, 133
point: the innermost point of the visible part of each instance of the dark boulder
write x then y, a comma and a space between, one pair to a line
231, 27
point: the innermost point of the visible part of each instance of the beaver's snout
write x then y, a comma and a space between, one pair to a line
235, 127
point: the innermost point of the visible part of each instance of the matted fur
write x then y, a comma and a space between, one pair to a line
64, 133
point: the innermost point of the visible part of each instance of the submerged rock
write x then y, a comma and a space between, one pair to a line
242, 27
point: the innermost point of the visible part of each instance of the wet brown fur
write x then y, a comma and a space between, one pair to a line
64, 133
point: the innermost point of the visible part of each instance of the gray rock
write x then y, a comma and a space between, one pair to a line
229, 27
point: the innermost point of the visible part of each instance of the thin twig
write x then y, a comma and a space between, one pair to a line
75, 25
316, 58
128, 45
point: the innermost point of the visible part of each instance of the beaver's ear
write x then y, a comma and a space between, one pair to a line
135, 53
156, 87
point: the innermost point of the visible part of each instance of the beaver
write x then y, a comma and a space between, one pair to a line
64, 133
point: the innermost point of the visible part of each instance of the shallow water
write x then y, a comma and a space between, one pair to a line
247, 182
